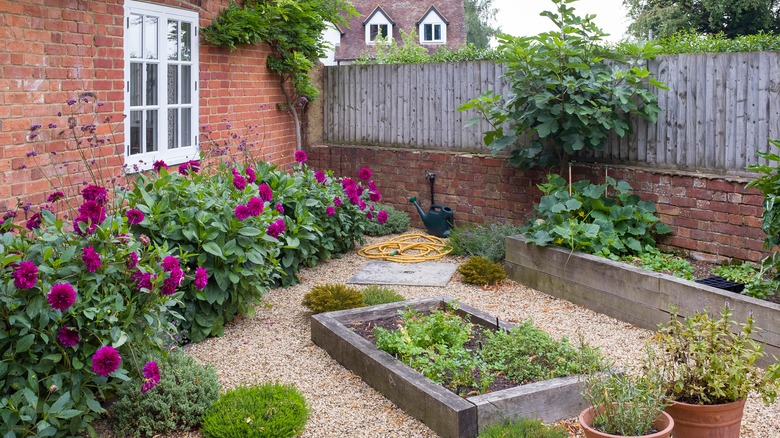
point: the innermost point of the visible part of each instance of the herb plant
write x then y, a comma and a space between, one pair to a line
657, 261
483, 240
397, 222
601, 219
523, 427
756, 285
711, 360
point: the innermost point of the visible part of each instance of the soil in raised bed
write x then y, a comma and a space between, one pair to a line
366, 330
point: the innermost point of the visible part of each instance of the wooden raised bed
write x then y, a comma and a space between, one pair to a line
631, 294
443, 411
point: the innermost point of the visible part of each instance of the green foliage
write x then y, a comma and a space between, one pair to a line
527, 354
185, 392
411, 52
663, 18
756, 285
483, 240
567, 92
329, 297
373, 295
265, 411
48, 386
481, 271
434, 346
711, 360
397, 222
769, 185
626, 404
657, 261
480, 16
194, 213
689, 42
602, 219
524, 427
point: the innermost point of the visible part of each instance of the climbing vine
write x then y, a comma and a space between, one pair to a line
293, 29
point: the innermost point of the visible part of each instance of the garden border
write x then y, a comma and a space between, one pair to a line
629, 293
443, 411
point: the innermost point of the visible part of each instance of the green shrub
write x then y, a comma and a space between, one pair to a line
525, 428
527, 354
481, 271
601, 219
373, 295
482, 240
329, 297
267, 411
185, 392
397, 222
691, 42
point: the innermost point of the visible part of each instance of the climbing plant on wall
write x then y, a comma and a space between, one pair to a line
293, 29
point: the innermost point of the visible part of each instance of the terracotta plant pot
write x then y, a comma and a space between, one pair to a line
706, 421
664, 424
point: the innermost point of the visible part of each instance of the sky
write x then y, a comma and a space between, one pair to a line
521, 17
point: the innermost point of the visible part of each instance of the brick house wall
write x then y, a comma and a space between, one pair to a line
405, 14
55, 50
712, 216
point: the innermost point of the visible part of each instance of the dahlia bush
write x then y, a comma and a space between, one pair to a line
84, 307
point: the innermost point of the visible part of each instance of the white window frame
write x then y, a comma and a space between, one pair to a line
379, 19
182, 152
433, 19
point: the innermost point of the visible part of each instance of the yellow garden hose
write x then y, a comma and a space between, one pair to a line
407, 248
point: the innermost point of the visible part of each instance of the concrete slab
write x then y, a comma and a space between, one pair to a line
405, 274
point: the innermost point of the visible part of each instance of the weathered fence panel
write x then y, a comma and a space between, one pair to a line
719, 111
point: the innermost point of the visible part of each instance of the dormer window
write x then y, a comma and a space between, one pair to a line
432, 27
378, 25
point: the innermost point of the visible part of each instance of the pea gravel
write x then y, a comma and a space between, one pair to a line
275, 345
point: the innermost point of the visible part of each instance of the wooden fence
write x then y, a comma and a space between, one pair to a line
720, 109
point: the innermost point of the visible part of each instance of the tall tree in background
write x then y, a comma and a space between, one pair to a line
662, 18
480, 15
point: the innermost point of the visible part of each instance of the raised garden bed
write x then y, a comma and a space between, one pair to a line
444, 412
628, 293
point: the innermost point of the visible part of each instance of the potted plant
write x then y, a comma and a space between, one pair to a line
626, 405
708, 366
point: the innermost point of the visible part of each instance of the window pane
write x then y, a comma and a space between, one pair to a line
384, 30
427, 32
173, 84
150, 37
135, 132
437, 32
136, 79
151, 84
186, 127
186, 41
373, 31
151, 130
134, 35
173, 40
186, 84
173, 128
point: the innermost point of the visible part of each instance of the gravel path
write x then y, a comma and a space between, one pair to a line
275, 345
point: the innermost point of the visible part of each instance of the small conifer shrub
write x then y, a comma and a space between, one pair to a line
185, 392
330, 297
373, 295
397, 222
262, 411
481, 271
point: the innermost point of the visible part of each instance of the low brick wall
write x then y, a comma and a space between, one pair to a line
713, 216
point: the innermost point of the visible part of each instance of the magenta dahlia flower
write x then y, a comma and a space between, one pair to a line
369, 215
61, 296
337, 201
381, 217
91, 259
106, 360
68, 336
239, 182
280, 208
134, 217
34, 222
242, 212
300, 156
251, 176
331, 210
276, 228
151, 376
25, 275
54, 197
169, 263
201, 278
365, 173
95, 193
374, 196
132, 260
266, 193
255, 206
160, 164
347, 182
319, 176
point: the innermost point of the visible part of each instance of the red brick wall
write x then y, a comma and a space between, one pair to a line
54, 50
712, 216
